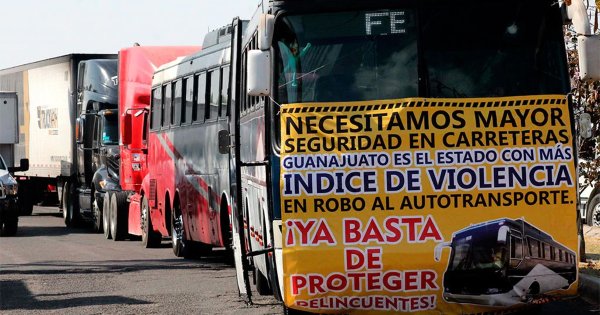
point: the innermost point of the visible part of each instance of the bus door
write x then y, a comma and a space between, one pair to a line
234, 150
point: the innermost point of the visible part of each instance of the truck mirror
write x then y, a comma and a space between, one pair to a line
126, 128
259, 73
585, 126
24, 166
266, 25
589, 58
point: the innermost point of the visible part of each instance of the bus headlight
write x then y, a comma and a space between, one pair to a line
11, 190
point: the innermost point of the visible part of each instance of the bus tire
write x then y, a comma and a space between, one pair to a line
106, 216
177, 233
592, 217
262, 284
118, 219
150, 239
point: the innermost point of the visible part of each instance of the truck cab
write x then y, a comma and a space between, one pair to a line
97, 143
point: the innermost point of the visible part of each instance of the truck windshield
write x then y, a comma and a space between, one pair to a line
2, 165
449, 49
110, 134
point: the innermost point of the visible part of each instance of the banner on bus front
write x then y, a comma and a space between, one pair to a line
413, 205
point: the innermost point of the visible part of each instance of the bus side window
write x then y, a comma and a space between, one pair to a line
560, 255
534, 248
156, 109
516, 251
166, 106
200, 97
213, 96
547, 252
188, 100
224, 110
177, 104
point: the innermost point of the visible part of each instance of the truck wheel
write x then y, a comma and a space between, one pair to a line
70, 211
118, 219
150, 239
26, 205
9, 226
97, 211
177, 235
593, 212
106, 216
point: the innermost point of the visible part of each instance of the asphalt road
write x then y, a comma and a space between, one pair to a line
48, 268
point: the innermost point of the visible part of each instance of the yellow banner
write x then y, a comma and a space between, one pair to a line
427, 205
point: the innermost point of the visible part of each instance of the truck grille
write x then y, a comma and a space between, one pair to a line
113, 164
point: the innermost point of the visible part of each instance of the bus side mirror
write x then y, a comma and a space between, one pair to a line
259, 73
437, 251
589, 58
266, 26
503, 234
585, 126
126, 129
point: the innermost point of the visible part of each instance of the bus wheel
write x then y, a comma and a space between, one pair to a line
177, 235
593, 212
150, 239
262, 284
106, 216
534, 289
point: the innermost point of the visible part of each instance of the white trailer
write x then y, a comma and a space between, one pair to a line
47, 109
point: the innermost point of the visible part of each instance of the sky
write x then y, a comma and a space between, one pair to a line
34, 30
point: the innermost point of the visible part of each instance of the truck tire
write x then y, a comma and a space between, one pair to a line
97, 212
26, 205
9, 226
592, 217
70, 210
118, 217
150, 239
106, 216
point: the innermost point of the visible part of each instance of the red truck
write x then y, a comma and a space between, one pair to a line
135, 70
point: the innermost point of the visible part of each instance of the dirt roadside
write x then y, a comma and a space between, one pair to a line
592, 251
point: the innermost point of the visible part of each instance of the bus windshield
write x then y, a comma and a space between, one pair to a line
110, 134
478, 253
449, 49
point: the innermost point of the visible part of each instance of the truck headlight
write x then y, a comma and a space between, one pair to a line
11, 190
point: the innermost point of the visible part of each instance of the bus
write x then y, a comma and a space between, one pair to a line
185, 193
357, 137
502, 262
